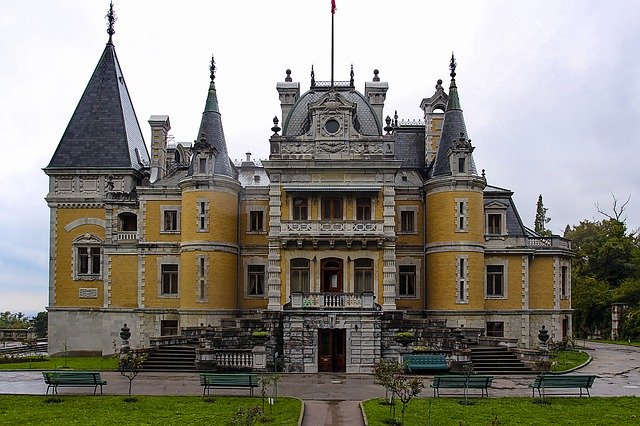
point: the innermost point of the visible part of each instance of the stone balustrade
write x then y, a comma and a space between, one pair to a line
332, 300
326, 229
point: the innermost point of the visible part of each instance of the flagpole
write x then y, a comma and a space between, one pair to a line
332, 48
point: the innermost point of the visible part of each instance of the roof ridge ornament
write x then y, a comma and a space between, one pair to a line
452, 66
351, 75
111, 18
212, 68
313, 77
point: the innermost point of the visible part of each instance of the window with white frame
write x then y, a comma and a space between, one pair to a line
462, 274
256, 221
406, 280
408, 217
202, 278
564, 281
87, 258
203, 216
363, 271
170, 219
462, 205
256, 280
495, 214
496, 279
299, 276
169, 279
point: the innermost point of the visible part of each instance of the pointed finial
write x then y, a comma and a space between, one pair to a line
439, 84
212, 69
313, 77
395, 118
351, 74
275, 129
452, 66
111, 19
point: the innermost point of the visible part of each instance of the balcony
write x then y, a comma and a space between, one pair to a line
332, 300
130, 236
549, 243
325, 229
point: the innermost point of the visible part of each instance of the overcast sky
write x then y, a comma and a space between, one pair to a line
550, 90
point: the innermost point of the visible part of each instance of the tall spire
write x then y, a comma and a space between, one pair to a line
212, 98
111, 18
454, 101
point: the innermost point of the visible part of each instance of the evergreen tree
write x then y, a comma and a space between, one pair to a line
541, 219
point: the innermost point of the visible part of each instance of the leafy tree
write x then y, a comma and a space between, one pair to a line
391, 375
591, 301
130, 363
541, 219
10, 320
41, 324
628, 292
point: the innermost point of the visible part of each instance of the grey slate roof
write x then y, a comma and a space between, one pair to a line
211, 126
409, 146
494, 194
297, 122
103, 131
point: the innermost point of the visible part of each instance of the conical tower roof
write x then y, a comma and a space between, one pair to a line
212, 131
453, 128
103, 131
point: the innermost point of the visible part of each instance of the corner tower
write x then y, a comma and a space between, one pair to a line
455, 224
210, 195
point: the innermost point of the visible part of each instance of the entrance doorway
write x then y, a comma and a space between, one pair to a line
331, 271
332, 350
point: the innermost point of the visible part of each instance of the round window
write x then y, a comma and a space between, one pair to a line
332, 126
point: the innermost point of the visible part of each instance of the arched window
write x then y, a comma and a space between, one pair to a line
127, 222
331, 275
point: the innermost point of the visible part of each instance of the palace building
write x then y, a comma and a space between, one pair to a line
358, 226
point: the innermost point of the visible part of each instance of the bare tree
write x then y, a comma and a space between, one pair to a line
618, 211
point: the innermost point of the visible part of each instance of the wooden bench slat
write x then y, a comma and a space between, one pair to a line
426, 362
55, 379
461, 382
563, 382
228, 380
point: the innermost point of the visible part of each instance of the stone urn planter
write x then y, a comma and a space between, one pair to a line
404, 337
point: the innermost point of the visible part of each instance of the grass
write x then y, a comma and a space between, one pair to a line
141, 410
510, 411
566, 360
618, 342
94, 363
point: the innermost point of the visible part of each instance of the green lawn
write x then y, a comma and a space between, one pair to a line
618, 342
566, 360
95, 363
511, 411
146, 410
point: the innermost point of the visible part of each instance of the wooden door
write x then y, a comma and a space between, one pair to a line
331, 272
332, 350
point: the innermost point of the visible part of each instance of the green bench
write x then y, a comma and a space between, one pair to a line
430, 362
461, 382
562, 382
228, 380
56, 379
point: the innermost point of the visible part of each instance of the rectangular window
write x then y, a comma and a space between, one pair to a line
495, 280
363, 208
494, 223
300, 209
256, 280
462, 279
169, 279
331, 209
363, 280
256, 222
170, 220
461, 165
462, 215
88, 261
202, 165
202, 215
564, 281
407, 221
407, 285
495, 329
202, 278
299, 275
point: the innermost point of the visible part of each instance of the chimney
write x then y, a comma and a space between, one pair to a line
160, 127
376, 92
289, 93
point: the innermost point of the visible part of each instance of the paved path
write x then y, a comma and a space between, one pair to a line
332, 399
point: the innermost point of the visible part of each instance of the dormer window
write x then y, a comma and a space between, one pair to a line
495, 220
202, 165
462, 165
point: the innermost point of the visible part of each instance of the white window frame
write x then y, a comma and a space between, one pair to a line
309, 270
202, 217
256, 261
505, 278
167, 260
263, 210
462, 215
495, 208
412, 209
462, 279
86, 241
202, 290
163, 211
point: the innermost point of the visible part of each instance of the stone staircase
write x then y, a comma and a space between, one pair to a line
497, 361
171, 358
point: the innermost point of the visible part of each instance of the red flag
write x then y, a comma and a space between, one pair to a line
333, 7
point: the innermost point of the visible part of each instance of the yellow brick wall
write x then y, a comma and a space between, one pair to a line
124, 281
541, 283
153, 221
441, 217
413, 238
513, 285
442, 281
223, 218
253, 239
66, 288
222, 280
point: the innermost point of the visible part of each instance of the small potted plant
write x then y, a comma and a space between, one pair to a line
404, 337
260, 336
